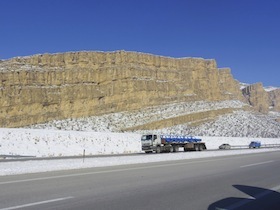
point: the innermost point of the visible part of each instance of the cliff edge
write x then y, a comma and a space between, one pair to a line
41, 88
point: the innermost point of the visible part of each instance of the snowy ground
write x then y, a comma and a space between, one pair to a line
53, 143
23, 167
101, 135
44, 143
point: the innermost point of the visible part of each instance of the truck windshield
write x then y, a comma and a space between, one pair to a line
146, 137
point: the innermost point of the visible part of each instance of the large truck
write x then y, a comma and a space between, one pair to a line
165, 143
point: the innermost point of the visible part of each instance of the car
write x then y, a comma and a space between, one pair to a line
255, 144
225, 146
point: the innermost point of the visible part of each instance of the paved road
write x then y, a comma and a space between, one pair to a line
234, 182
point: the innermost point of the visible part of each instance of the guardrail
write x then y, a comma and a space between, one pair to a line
239, 146
270, 145
15, 156
262, 146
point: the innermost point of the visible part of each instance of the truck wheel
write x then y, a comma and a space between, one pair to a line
175, 148
171, 149
201, 147
196, 147
158, 150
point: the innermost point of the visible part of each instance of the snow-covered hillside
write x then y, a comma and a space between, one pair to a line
238, 124
99, 135
115, 122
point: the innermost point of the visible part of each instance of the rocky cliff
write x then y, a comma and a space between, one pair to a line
257, 97
274, 99
41, 88
229, 88
262, 100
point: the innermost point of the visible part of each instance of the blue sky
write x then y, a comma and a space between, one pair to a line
241, 34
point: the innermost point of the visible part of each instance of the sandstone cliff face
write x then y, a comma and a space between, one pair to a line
262, 100
274, 99
229, 88
45, 87
257, 97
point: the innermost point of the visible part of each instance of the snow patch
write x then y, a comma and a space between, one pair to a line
51, 143
270, 88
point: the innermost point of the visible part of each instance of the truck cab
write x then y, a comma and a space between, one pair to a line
150, 142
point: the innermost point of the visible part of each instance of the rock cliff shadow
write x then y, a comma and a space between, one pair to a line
257, 199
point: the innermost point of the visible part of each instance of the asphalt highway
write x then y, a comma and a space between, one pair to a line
250, 181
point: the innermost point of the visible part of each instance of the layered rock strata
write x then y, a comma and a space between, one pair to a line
262, 100
274, 99
41, 88
257, 97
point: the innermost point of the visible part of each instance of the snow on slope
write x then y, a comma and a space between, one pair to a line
238, 124
115, 122
270, 88
50, 139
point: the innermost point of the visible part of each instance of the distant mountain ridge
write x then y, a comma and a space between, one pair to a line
42, 88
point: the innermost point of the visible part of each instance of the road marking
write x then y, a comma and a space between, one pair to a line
107, 171
250, 199
37, 203
255, 164
116, 170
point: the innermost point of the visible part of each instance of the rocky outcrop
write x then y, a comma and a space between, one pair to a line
262, 100
229, 88
274, 100
257, 97
41, 88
